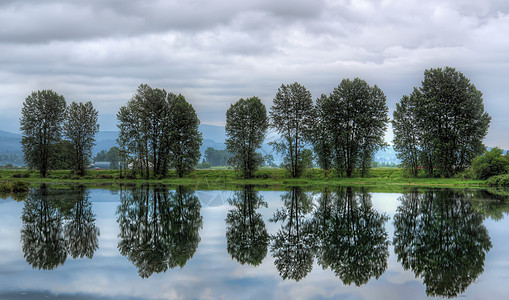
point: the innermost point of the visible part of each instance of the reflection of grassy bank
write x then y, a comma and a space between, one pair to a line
380, 179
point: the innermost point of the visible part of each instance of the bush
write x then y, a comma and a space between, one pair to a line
5, 187
20, 175
489, 164
500, 180
19, 187
203, 165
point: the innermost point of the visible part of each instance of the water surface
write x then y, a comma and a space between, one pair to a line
156, 243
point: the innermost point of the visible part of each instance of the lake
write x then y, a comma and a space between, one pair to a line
158, 243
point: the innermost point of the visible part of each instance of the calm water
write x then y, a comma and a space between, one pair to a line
146, 243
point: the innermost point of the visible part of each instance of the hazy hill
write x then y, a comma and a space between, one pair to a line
213, 136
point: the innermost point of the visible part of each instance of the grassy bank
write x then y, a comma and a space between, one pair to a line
387, 179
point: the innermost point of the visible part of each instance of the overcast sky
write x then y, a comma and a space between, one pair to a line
214, 52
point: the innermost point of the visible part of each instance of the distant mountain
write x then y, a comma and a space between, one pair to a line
10, 142
104, 140
213, 136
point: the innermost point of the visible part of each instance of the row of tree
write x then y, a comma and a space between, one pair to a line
345, 128
438, 128
45, 118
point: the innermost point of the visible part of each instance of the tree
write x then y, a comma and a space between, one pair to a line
158, 130
216, 157
406, 135
63, 153
491, 163
41, 119
450, 122
246, 124
292, 117
322, 137
80, 127
144, 130
354, 120
185, 139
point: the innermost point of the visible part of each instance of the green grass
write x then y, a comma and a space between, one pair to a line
379, 179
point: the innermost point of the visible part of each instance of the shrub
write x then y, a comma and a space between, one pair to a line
5, 187
19, 187
20, 175
491, 163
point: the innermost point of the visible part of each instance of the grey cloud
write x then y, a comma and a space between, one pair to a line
215, 52
46, 21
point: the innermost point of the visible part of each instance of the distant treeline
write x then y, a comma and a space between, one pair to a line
438, 128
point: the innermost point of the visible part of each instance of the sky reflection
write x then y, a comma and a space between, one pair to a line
212, 273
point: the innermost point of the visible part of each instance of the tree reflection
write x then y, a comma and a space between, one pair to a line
246, 236
80, 231
351, 235
441, 238
158, 229
57, 223
292, 245
42, 235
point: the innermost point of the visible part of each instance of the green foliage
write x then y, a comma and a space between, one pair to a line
112, 156
203, 165
246, 125
63, 155
19, 187
41, 118
491, 163
350, 126
185, 139
216, 157
406, 135
158, 130
499, 180
80, 128
443, 121
292, 116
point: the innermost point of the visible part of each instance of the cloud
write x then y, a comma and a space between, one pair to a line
215, 52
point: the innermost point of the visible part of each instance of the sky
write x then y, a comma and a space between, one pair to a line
215, 52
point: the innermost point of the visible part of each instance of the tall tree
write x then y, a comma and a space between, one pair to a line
355, 118
292, 117
80, 127
246, 125
158, 130
185, 139
322, 137
41, 125
406, 135
450, 119
217, 157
